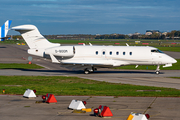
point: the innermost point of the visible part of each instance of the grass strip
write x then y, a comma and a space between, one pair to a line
19, 66
61, 85
12, 41
173, 49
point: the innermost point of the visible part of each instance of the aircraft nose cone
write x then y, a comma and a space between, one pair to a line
174, 61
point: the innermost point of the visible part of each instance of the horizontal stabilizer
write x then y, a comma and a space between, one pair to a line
21, 29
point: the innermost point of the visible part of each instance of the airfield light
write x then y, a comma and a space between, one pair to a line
96, 111
147, 116
3, 90
43, 97
84, 102
34, 91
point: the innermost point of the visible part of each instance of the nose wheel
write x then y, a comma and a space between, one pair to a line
157, 72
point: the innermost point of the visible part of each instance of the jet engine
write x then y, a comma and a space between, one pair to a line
63, 51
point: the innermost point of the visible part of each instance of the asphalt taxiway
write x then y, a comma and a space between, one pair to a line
18, 54
18, 108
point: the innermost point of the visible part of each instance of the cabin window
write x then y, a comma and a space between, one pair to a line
117, 53
103, 52
130, 53
110, 52
96, 52
124, 53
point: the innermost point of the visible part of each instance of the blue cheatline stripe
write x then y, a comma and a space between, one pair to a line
9, 23
3, 30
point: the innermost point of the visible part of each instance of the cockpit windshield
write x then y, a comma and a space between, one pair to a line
156, 51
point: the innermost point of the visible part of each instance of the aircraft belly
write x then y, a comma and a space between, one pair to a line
97, 62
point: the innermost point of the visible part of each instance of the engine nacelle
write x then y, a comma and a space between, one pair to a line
63, 51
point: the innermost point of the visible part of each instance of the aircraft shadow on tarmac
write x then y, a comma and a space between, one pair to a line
95, 72
2, 47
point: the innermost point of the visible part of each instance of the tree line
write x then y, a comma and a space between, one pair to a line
170, 35
173, 34
121, 36
111, 36
156, 35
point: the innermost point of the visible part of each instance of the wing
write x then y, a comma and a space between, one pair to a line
81, 64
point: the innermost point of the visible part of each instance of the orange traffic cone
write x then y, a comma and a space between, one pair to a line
51, 99
106, 112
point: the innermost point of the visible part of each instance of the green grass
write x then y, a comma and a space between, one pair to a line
59, 85
19, 66
97, 42
175, 66
175, 77
173, 49
12, 41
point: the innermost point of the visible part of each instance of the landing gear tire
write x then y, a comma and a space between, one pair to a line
86, 71
157, 72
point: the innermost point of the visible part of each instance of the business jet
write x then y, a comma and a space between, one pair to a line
90, 57
4, 30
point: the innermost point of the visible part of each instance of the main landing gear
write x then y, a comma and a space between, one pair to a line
86, 71
89, 70
157, 70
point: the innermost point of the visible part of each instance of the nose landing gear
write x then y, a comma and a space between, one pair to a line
157, 70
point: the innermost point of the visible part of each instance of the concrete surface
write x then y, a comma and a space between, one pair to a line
18, 108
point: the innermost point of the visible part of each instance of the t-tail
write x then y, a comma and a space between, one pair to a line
36, 42
4, 30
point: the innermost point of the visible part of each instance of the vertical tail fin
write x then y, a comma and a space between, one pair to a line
4, 30
33, 38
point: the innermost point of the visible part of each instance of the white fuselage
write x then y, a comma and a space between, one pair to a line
111, 55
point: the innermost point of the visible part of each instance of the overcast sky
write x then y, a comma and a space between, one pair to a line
93, 16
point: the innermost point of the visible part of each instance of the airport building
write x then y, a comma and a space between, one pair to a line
150, 32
